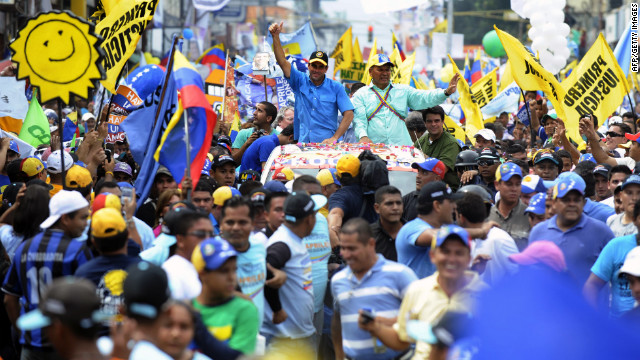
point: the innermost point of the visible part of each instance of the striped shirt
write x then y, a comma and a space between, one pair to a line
36, 262
381, 290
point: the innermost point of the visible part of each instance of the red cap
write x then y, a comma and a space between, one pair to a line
541, 252
633, 137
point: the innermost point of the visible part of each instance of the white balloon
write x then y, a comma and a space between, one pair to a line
555, 16
533, 33
557, 42
564, 29
539, 44
564, 53
546, 59
538, 19
529, 8
559, 62
549, 30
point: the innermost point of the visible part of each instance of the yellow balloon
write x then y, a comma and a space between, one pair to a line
150, 59
446, 73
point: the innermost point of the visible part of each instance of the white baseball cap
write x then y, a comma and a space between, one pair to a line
53, 162
63, 202
631, 264
487, 134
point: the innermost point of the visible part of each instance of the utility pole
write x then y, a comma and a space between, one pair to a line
449, 24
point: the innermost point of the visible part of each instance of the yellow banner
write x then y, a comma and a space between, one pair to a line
454, 129
356, 54
485, 89
354, 73
342, 52
596, 85
472, 114
366, 79
403, 75
121, 30
396, 60
506, 79
532, 76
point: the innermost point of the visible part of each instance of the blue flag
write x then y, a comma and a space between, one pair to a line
622, 52
523, 115
300, 42
70, 128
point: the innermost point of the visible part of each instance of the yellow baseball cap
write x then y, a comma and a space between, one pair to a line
284, 174
327, 177
223, 194
107, 222
78, 177
349, 164
31, 166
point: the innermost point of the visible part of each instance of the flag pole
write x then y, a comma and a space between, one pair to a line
60, 134
186, 142
166, 81
313, 32
224, 92
533, 132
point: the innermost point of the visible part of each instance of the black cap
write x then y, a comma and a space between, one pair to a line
435, 190
319, 56
299, 205
11, 192
249, 175
489, 153
602, 170
224, 139
220, 160
258, 195
145, 290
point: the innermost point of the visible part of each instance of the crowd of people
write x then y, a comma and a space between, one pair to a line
514, 237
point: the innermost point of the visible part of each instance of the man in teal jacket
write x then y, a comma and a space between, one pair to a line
380, 109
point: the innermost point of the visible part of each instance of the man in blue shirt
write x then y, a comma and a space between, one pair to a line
258, 153
370, 281
580, 237
318, 98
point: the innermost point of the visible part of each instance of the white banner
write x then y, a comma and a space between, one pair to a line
382, 6
13, 101
25, 149
210, 5
506, 100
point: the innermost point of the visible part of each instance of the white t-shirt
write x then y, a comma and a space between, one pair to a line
10, 240
631, 164
609, 202
183, 278
499, 245
144, 350
619, 229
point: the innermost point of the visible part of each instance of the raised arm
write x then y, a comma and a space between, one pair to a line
275, 30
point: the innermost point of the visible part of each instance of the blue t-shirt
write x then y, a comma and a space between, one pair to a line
415, 257
350, 199
581, 245
316, 108
606, 268
252, 273
258, 153
597, 210
4, 180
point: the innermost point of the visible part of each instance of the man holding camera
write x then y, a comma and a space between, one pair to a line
263, 116
352, 287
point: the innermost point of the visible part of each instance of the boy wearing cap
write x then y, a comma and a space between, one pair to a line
32, 168
229, 318
294, 300
258, 153
452, 287
485, 138
69, 314
381, 108
546, 165
80, 180
531, 185
223, 170
109, 235
122, 173
607, 269
162, 181
430, 170
54, 168
222, 194
488, 163
537, 209
580, 237
46, 256
318, 98
508, 212
617, 175
601, 175
623, 224
330, 184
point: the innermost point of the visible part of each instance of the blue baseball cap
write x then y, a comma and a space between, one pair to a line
507, 170
631, 179
207, 167
382, 60
565, 175
587, 157
537, 204
13, 146
450, 230
212, 253
533, 183
433, 165
275, 186
567, 185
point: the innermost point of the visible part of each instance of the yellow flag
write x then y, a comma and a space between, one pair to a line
485, 89
440, 27
356, 54
121, 30
454, 129
366, 79
506, 79
432, 84
342, 52
235, 124
396, 60
472, 113
420, 85
564, 73
532, 76
403, 75
596, 86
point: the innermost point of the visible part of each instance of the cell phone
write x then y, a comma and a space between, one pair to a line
368, 315
127, 193
108, 153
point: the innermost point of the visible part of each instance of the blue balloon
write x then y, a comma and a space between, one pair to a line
187, 34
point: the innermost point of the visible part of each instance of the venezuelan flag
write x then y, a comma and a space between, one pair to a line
214, 56
467, 69
395, 42
476, 68
202, 120
235, 127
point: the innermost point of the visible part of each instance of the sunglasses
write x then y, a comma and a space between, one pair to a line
201, 234
614, 134
486, 162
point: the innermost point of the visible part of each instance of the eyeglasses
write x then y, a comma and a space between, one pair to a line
614, 134
201, 234
486, 162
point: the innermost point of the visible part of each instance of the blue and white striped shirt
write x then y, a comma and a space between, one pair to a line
381, 290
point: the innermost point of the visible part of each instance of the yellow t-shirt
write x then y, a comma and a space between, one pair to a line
426, 301
324, 212
55, 189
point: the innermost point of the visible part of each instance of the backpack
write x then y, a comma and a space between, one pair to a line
373, 172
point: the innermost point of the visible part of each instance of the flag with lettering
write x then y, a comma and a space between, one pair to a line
473, 117
403, 74
342, 53
506, 78
454, 129
485, 89
35, 129
596, 86
366, 78
356, 52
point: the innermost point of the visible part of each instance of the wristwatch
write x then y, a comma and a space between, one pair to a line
445, 93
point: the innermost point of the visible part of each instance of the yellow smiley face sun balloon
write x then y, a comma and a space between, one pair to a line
59, 53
